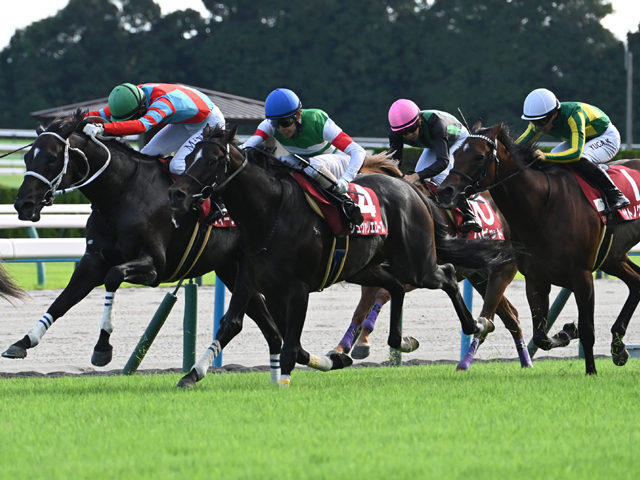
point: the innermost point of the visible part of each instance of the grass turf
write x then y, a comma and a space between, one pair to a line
495, 421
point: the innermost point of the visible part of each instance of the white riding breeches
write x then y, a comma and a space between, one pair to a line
428, 157
181, 137
600, 149
336, 163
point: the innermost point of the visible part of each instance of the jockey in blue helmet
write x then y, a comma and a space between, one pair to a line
327, 151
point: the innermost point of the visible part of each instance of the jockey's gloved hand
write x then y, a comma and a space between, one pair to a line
93, 129
341, 186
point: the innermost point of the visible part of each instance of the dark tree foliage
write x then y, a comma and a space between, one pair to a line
352, 59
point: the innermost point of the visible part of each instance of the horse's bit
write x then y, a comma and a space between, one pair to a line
55, 183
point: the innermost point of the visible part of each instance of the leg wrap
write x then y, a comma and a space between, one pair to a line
39, 329
465, 363
274, 367
324, 364
347, 340
370, 321
207, 359
107, 315
523, 353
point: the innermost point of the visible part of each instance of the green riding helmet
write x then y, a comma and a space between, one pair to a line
126, 101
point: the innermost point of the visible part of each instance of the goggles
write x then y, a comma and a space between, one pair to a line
285, 122
410, 129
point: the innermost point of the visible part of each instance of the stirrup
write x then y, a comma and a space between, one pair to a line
470, 224
616, 201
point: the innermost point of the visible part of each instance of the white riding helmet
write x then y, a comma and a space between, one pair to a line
538, 104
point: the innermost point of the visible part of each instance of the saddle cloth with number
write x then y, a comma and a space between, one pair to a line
365, 198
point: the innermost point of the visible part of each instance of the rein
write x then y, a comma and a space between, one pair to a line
17, 150
55, 183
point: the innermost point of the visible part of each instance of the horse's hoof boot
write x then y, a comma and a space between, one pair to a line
100, 359
14, 352
360, 352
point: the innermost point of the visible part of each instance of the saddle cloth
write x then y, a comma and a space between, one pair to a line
491, 226
627, 180
366, 199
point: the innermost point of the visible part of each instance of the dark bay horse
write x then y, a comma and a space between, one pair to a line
131, 234
491, 288
287, 246
561, 233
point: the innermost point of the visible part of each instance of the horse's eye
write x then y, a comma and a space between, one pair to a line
479, 157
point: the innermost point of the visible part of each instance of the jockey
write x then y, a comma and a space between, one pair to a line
136, 109
325, 152
588, 138
440, 134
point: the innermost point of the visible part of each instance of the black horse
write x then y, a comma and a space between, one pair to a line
131, 233
287, 246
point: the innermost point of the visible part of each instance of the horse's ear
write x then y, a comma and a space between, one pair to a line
476, 126
231, 134
495, 130
39, 129
206, 133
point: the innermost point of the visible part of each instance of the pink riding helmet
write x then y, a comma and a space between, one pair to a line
402, 114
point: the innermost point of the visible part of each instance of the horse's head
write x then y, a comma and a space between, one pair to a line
47, 165
475, 165
209, 167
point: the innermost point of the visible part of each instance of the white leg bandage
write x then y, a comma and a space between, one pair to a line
322, 363
207, 359
274, 367
39, 329
285, 381
108, 315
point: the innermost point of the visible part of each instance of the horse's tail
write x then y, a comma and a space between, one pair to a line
479, 255
8, 289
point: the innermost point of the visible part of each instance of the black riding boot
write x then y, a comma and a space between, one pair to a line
469, 220
351, 210
593, 174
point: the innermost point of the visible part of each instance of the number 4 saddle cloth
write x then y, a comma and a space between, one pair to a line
627, 180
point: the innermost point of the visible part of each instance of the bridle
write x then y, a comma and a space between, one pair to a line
208, 190
474, 184
55, 183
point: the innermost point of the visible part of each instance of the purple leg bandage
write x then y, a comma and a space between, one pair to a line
523, 353
465, 363
347, 340
370, 321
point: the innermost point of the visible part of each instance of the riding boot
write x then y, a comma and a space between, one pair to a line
351, 210
469, 220
593, 174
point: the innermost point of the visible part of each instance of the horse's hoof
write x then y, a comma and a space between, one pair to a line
572, 330
462, 368
15, 352
189, 380
620, 356
361, 351
409, 344
340, 360
485, 327
100, 359
333, 351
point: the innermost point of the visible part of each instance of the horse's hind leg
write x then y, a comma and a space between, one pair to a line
585, 299
364, 307
88, 274
629, 273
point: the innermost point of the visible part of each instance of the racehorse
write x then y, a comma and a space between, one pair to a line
131, 234
491, 288
560, 231
287, 246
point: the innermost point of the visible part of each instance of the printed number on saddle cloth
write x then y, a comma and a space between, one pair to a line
370, 208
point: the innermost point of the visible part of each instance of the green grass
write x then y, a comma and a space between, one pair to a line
58, 274
11, 180
495, 421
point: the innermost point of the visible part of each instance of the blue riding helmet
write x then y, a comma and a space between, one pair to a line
281, 103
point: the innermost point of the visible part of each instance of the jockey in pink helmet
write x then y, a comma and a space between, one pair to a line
440, 135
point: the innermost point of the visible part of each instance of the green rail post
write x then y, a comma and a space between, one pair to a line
554, 312
40, 267
151, 332
190, 325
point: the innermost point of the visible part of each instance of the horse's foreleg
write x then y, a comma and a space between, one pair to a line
585, 299
257, 310
88, 274
297, 301
629, 273
538, 298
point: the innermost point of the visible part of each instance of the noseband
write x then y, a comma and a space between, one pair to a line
474, 184
208, 190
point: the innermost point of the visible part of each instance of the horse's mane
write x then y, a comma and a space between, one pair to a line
523, 154
381, 163
64, 126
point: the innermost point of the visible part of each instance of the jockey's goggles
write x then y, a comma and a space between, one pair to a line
410, 129
285, 122
544, 120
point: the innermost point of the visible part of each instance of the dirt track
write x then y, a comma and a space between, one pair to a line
428, 316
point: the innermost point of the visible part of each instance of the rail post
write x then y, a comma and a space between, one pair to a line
218, 313
151, 332
467, 295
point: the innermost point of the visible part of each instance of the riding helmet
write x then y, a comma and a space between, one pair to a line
281, 103
538, 104
402, 114
126, 101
